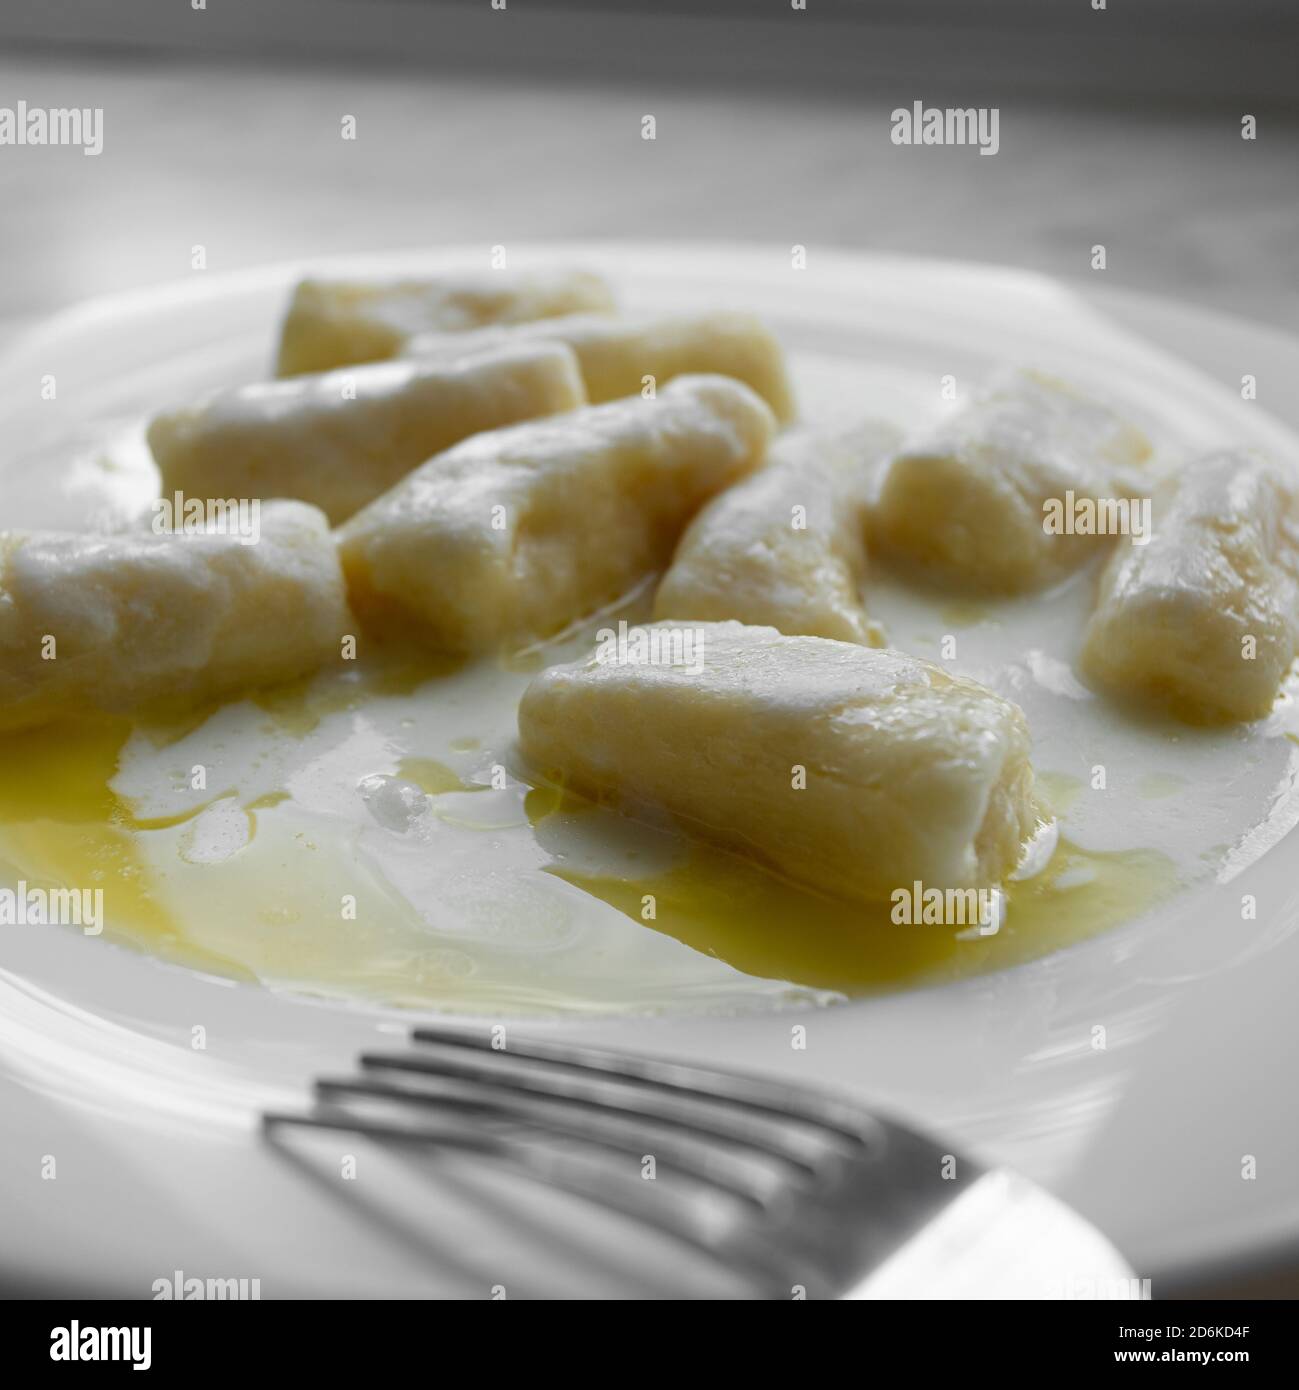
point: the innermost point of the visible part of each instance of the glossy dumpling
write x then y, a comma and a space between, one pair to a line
786, 547
965, 503
1205, 618
849, 769
123, 622
623, 357
514, 534
341, 438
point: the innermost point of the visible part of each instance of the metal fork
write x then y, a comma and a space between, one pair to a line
801, 1192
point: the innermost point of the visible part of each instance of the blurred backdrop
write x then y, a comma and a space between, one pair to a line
223, 118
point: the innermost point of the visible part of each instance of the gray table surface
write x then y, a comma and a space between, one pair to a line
247, 159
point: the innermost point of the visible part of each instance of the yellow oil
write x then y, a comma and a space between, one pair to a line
62, 826
762, 925
273, 911
434, 777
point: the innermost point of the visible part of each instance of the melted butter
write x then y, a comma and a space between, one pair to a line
61, 826
762, 925
434, 777
467, 908
270, 912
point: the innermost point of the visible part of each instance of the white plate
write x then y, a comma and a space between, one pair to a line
155, 1143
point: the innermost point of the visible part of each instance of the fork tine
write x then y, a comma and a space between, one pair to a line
784, 1101
604, 1091
717, 1224
442, 1135
757, 1182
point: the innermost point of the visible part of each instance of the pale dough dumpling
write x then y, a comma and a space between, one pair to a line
1205, 618
786, 547
964, 504
121, 622
910, 774
512, 535
617, 355
334, 323
341, 438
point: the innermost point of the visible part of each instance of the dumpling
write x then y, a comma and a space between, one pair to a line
340, 439
122, 622
786, 547
514, 534
1205, 618
334, 323
967, 504
616, 355
848, 769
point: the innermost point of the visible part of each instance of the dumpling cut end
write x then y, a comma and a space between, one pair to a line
1204, 620
967, 504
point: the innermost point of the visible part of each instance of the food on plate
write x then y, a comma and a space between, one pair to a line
968, 503
1205, 618
622, 357
120, 622
851, 770
722, 788
785, 547
513, 534
334, 323
341, 438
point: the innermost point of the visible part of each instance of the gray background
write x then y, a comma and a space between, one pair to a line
222, 128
